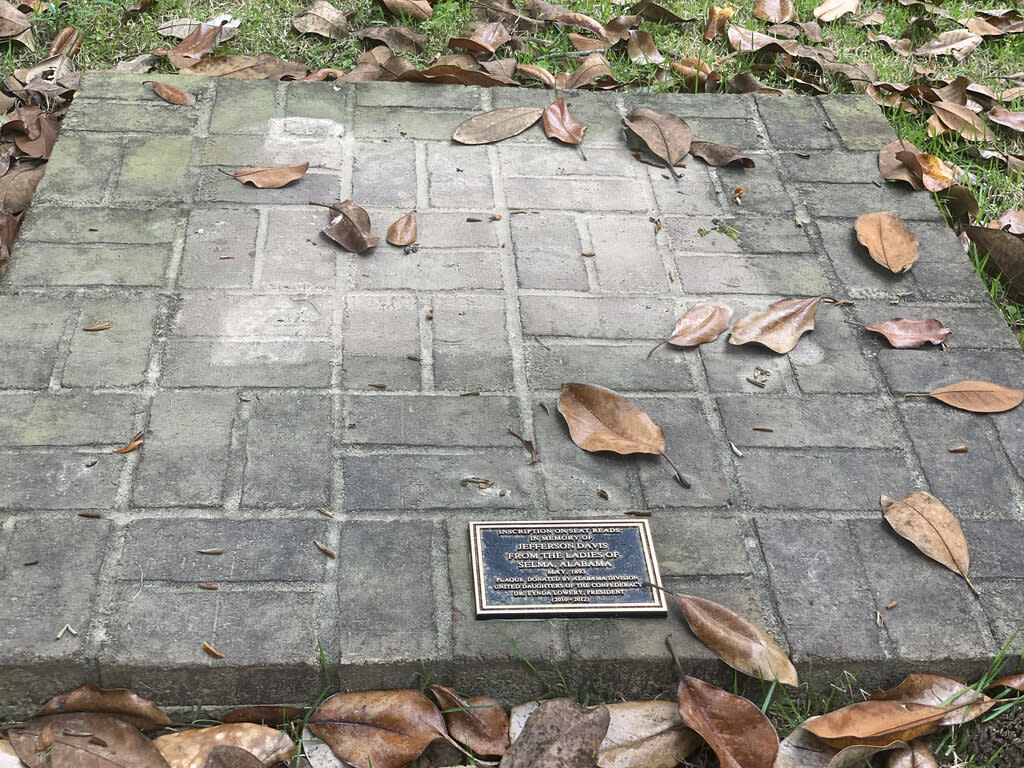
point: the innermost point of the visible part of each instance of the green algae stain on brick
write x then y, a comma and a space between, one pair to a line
156, 169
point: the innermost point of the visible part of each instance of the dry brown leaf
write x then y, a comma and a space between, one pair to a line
928, 524
265, 66
116, 702
1005, 258
83, 739
667, 137
961, 119
830, 10
323, 19
642, 49
583, 43
888, 240
802, 749
271, 715
350, 227
645, 734
190, 748
172, 94
403, 232
618, 29
594, 71
193, 48
738, 642
1012, 221
962, 703
934, 173
571, 18
478, 723
18, 185
131, 446
558, 733
719, 155
738, 732
749, 41
718, 17
97, 327
561, 125
957, 43
700, 324
223, 756
385, 729
271, 178
874, 723
1004, 117
602, 420
398, 39
779, 327
908, 334
775, 11
13, 22
486, 39
537, 73
496, 125
976, 396
1010, 681
417, 9
894, 169
916, 754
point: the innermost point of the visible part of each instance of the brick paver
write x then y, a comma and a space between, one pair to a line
272, 373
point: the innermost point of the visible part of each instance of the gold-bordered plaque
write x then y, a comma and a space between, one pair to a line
529, 569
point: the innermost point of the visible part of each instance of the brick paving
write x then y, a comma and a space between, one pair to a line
273, 373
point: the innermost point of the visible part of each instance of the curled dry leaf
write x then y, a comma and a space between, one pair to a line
385, 729
893, 168
719, 155
1012, 221
1003, 116
874, 723
559, 732
700, 324
976, 396
738, 732
641, 48
1005, 260
1010, 681
602, 420
667, 137
717, 19
323, 19
18, 185
191, 748
560, 124
889, 241
85, 739
263, 714
908, 334
779, 327
749, 41
478, 723
194, 47
486, 39
928, 524
962, 703
350, 228
775, 11
916, 754
645, 734
830, 10
736, 641
934, 173
116, 702
957, 43
271, 178
962, 119
172, 94
802, 749
403, 232
496, 125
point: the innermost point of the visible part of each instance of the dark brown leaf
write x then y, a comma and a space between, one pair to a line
18, 185
1005, 258
738, 732
655, 12
908, 334
700, 324
271, 715
582, 20
67, 43
194, 47
496, 125
403, 232
83, 739
666, 137
172, 94
350, 227
779, 327
618, 29
641, 48
561, 125
593, 71
382, 729
602, 420
559, 733
322, 19
479, 723
888, 240
271, 178
223, 756
190, 748
874, 723
719, 155
962, 704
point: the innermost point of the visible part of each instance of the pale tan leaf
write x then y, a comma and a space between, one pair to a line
916, 754
191, 748
908, 334
602, 420
962, 703
322, 19
749, 41
779, 327
957, 43
802, 749
537, 73
271, 178
775, 11
830, 10
934, 173
928, 524
645, 734
1012, 221
496, 125
738, 642
888, 240
719, 155
700, 324
1003, 116
976, 396
403, 232
874, 723
738, 732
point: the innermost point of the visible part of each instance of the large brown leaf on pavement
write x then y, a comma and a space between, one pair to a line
889, 241
874, 723
496, 125
700, 324
382, 729
558, 733
779, 327
479, 722
271, 178
976, 396
738, 732
116, 702
350, 227
736, 641
908, 334
83, 740
667, 137
600, 419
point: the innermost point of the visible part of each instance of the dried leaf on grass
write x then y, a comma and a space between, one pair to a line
323, 19
350, 227
385, 729
916, 754
600, 419
830, 10
718, 17
416, 9
928, 524
666, 137
271, 178
893, 168
957, 43
272, 715
976, 396
874, 723
561, 733
398, 39
116, 702
889, 241
934, 173
187, 749
700, 324
1005, 258
641, 48
561, 125
775, 11
496, 125
486, 39
83, 739
735, 729
909, 334
962, 703
1004, 117
779, 327
403, 232
478, 723
959, 118
1012, 221
193, 48
645, 734
265, 66
172, 94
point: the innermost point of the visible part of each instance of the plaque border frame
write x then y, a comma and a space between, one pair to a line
657, 608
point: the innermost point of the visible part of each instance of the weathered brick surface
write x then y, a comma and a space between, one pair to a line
271, 373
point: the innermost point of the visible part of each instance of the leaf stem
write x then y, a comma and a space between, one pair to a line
970, 584
678, 476
917, 394
655, 348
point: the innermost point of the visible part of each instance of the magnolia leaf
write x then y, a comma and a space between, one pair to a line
957, 43
775, 11
537, 73
736, 641
908, 334
571, 18
618, 29
1003, 116
84, 739
273, 715
172, 94
265, 66
486, 39
1012, 221
558, 733
323, 19
403, 232
1010, 681
182, 28
193, 48
893, 168
976, 396
271, 178
416, 9
928, 524
646, 734
583, 43
398, 39
738, 732
382, 729
116, 702
702, 323
779, 327
667, 137
719, 155
961, 119
496, 125
187, 749
479, 723
560, 124
802, 749
602, 420
874, 723
749, 41
594, 71
962, 703
350, 228
830, 10
13, 22
1005, 260
642, 49
18, 185
888, 240
916, 754
223, 756
718, 17
935, 174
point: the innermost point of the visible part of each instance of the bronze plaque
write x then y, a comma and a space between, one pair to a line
525, 569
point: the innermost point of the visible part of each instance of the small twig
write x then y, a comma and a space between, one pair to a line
672, 651
655, 348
